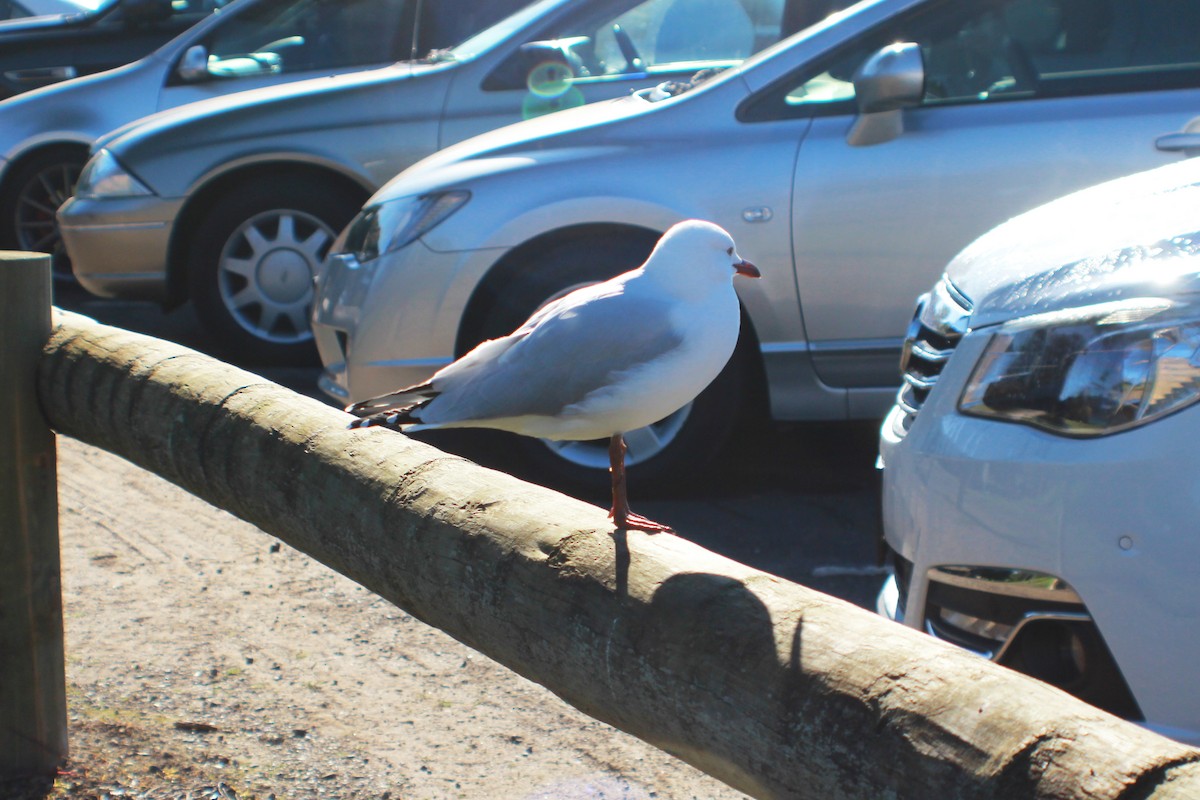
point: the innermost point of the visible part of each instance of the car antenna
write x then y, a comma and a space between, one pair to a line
416, 29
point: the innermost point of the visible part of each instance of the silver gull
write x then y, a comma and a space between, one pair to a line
600, 361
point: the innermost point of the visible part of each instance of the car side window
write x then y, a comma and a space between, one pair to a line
638, 38
291, 36
1002, 50
448, 22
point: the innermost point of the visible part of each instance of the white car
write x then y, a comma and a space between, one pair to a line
1041, 475
850, 162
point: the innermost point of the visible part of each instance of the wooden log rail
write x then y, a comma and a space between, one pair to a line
776, 689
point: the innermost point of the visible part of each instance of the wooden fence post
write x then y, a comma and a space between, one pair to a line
33, 708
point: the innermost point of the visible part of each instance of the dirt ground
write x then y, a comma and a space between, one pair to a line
207, 660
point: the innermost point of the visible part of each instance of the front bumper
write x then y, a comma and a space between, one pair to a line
119, 247
1111, 519
391, 322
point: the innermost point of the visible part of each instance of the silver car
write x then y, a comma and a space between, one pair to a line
45, 135
849, 163
234, 202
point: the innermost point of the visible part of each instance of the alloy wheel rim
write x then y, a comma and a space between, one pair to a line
37, 202
265, 274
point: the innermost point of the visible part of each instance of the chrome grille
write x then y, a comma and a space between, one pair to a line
939, 322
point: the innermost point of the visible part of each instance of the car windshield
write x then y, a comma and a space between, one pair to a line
794, 25
490, 37
837, 12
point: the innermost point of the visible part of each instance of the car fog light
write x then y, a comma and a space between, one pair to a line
1053, 652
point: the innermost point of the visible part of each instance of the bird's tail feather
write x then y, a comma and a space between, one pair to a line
391, 410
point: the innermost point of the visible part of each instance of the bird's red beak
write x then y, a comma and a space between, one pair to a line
744, 267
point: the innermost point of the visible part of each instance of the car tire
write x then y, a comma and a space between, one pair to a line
670, 453
37, 188
251, 268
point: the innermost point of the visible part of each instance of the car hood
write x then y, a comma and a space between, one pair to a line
259, 112
81, 108
1137, 236
569, 134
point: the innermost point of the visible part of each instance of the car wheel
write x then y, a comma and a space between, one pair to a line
670, 452
252, 266
38, 187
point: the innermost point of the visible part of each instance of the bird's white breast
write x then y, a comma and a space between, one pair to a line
648, 392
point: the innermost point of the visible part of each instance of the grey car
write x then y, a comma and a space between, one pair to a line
45, 135
849, 162
234, 202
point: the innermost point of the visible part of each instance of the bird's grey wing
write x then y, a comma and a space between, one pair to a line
461, 371
560, 360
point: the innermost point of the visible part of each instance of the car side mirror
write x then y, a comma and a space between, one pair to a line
194, 64
888, 82
555, 51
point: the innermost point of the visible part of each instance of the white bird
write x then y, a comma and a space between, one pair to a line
603, 360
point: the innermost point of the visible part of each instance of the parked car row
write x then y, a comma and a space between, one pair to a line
239, 223
45, 135
417, 174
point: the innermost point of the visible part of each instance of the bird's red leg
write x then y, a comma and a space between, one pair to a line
621, 514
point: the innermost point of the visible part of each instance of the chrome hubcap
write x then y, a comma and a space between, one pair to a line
266, 271
284, 276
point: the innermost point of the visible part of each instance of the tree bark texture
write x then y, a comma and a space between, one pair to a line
774, 688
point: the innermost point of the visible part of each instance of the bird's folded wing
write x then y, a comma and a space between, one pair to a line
558, 359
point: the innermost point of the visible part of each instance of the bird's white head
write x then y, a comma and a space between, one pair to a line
698, 248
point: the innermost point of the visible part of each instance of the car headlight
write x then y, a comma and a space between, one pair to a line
1092, 371
389, 226
103, 176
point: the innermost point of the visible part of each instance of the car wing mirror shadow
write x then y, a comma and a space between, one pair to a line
888, 82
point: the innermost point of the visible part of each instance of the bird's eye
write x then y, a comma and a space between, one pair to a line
729, 251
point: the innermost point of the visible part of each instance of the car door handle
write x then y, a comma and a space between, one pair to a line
1175, 142
41, 74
